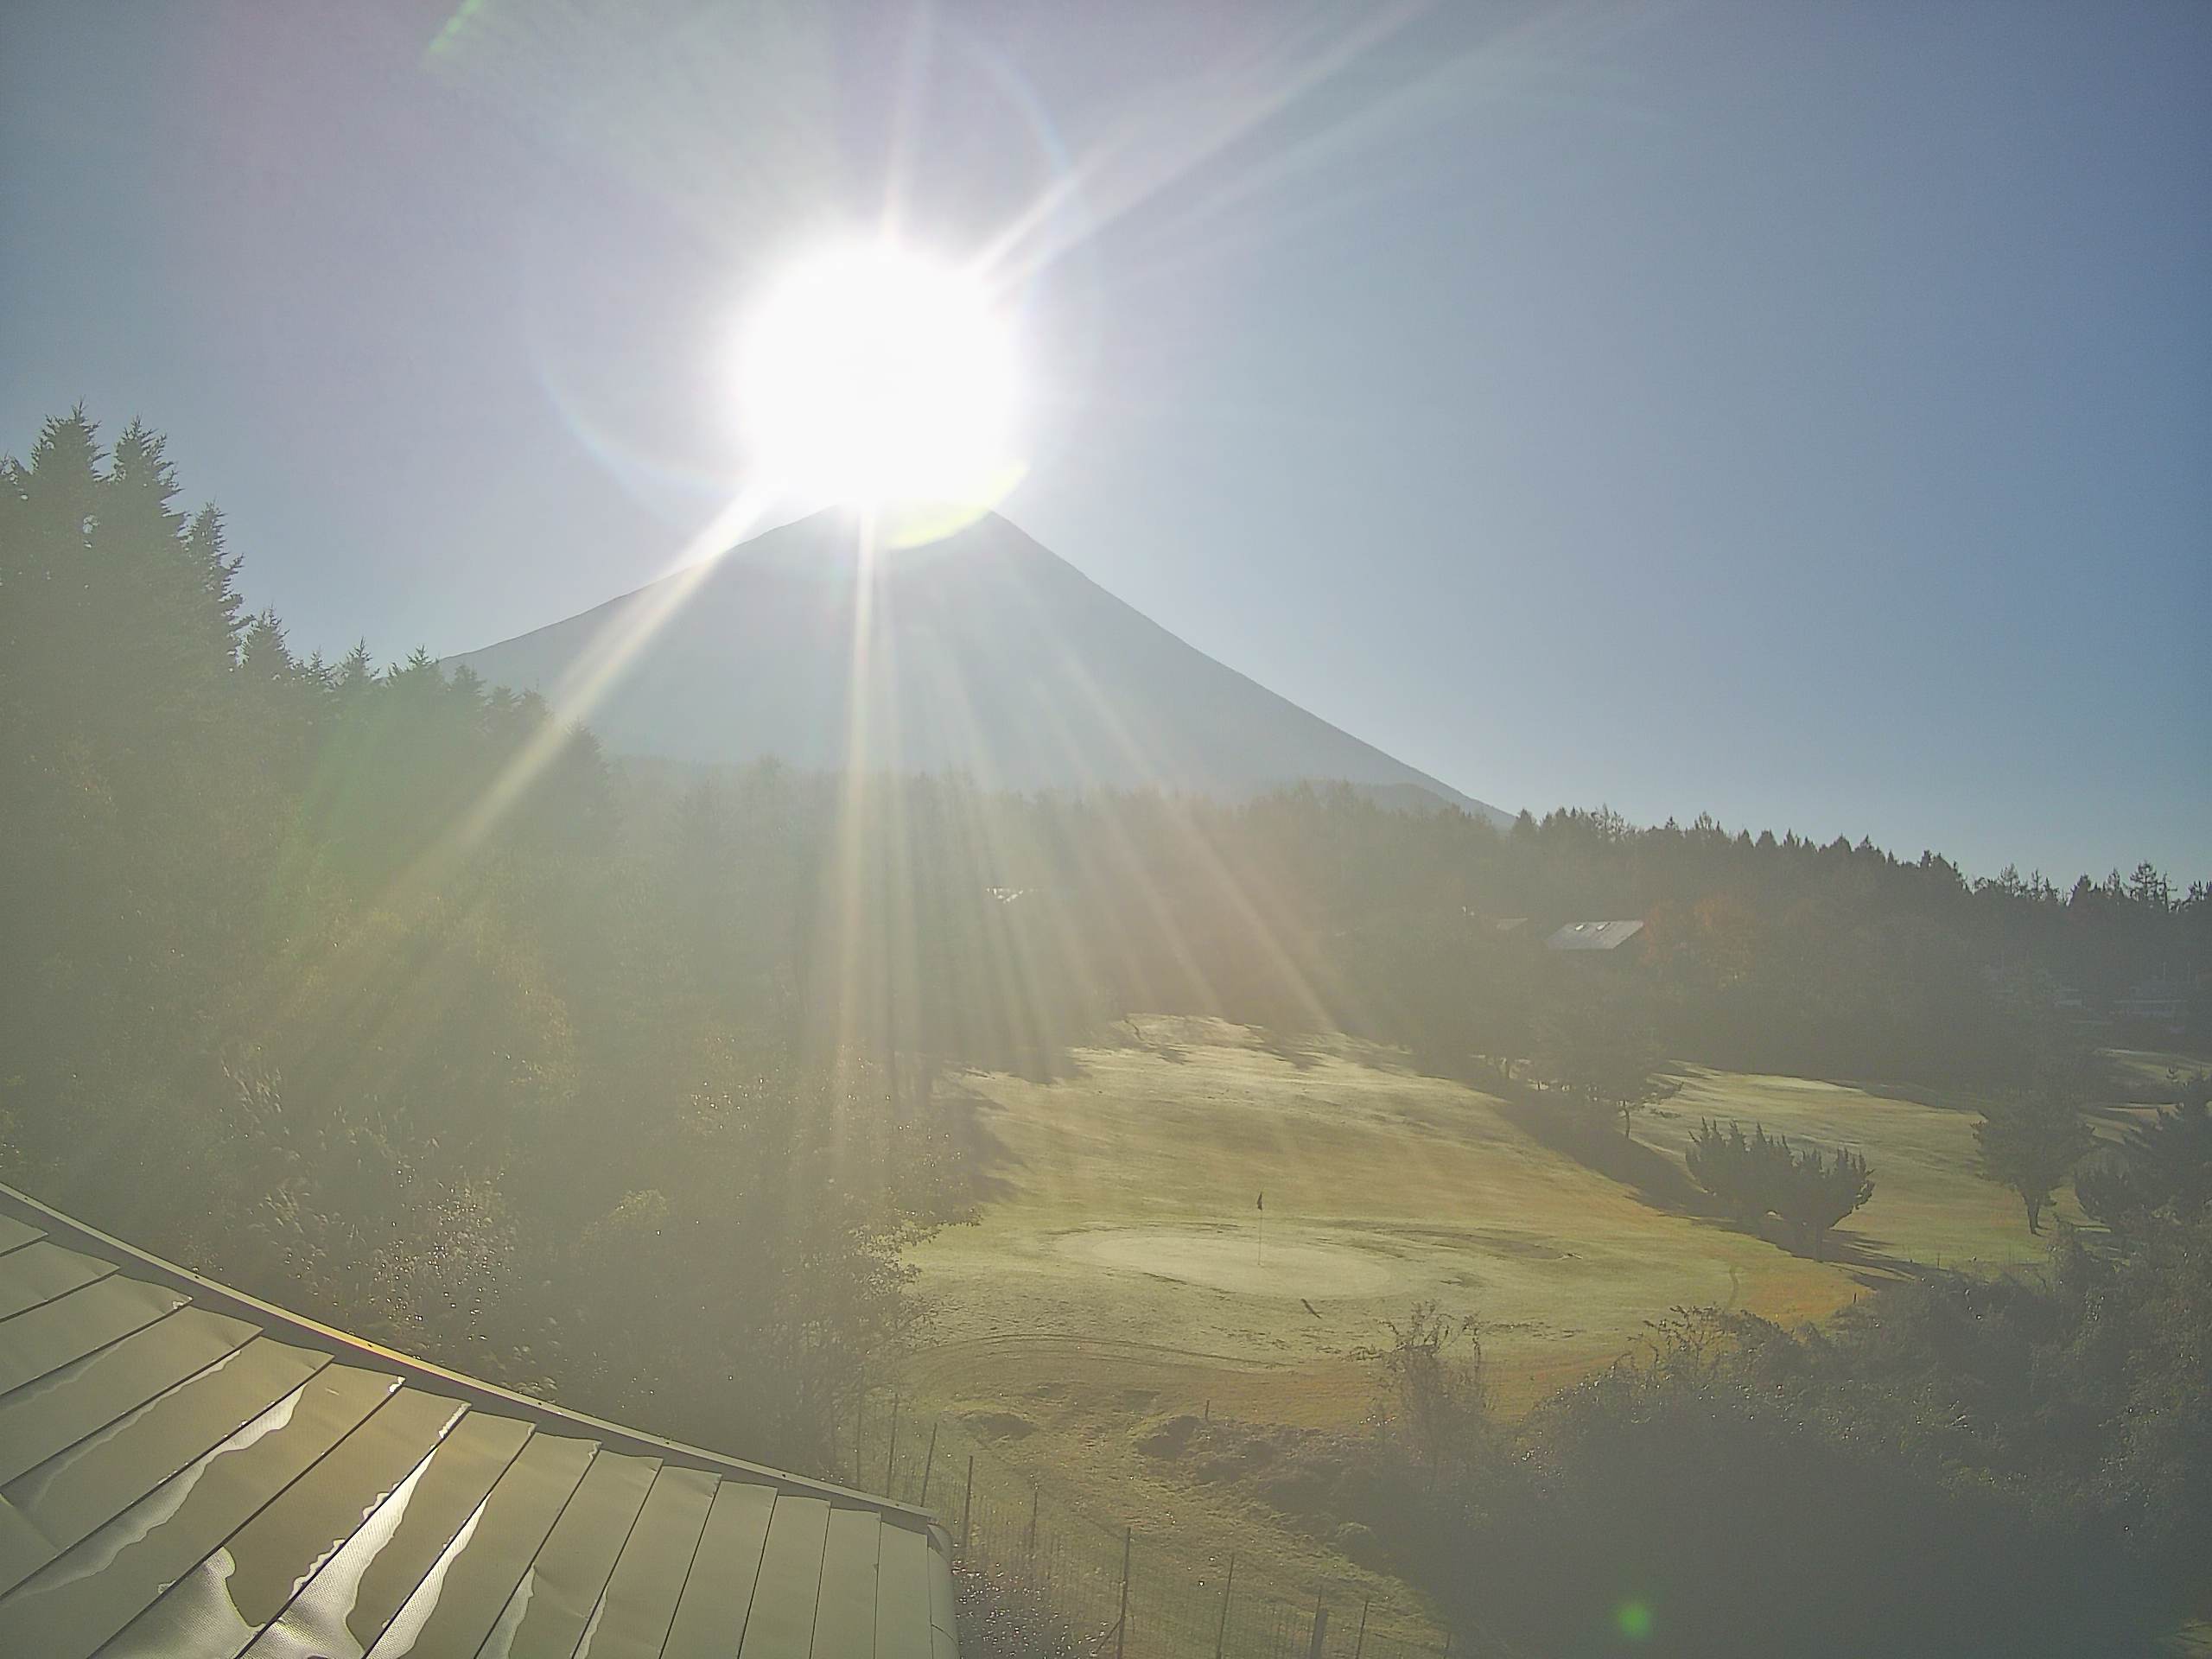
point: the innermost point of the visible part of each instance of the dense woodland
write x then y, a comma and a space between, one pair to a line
377, 992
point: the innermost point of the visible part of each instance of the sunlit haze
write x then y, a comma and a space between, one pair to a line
871, 375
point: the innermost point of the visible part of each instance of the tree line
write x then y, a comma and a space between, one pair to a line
363, 989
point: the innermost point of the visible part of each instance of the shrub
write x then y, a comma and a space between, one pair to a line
1760, 1174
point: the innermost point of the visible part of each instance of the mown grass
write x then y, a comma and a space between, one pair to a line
1929, 1208
1120, 1273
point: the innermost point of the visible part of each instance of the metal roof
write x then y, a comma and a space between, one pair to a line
1593, 935
188, 1472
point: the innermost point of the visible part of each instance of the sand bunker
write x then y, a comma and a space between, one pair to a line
1231, 1259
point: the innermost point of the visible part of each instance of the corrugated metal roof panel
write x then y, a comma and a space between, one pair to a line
216, 1610
844, 1617
40, 1272
552, 1605
45, 1417
902, 1612
88, 1594
203, 1481
459, 1601
74, 1493
781, 1624
49, 1336
347, 1605
711, 1613
639, 1603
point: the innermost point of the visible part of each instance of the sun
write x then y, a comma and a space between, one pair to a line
875, 376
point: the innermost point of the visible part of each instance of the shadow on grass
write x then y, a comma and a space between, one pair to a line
1657, 1180
1173, 1053
1300, 1057
1935, 1098
990, 1163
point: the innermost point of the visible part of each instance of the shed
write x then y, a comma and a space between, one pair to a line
185, 1470
1593, 935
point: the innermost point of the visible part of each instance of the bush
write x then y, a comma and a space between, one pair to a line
1758, 1175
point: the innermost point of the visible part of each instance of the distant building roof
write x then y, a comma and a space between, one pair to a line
184, 1469
1593, 935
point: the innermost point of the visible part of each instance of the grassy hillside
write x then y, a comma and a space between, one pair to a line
1123, 1272
1928, 1207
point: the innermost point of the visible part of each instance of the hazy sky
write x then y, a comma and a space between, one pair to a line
1800, 413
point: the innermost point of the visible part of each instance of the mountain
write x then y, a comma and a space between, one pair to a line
982, 653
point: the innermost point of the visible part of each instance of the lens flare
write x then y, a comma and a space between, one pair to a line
873, 376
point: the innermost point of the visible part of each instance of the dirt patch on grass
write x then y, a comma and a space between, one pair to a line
1168, 1438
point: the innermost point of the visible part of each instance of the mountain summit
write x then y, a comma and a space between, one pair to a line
984, 653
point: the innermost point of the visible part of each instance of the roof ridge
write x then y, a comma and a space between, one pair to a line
474, 1391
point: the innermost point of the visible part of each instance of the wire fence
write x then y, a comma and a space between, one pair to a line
1114, 1595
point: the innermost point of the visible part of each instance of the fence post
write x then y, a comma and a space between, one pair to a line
1221, 1630
968, 1503
1320, 1628
1365, 1603
1122, 1624
891, 1456
928, 1463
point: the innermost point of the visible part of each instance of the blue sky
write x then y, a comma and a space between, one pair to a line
1803, 414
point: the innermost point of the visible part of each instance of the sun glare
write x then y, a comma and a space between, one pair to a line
875, 376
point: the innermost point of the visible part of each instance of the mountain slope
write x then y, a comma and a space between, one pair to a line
982, 654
